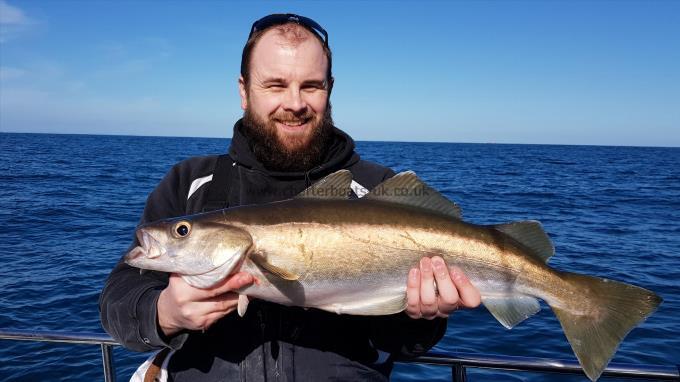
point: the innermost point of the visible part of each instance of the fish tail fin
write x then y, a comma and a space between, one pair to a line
596, 323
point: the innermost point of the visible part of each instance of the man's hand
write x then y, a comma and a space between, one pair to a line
181, 306
453, 290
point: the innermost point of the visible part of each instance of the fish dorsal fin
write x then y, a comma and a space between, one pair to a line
511, 310
530, 234
273, 269
333, 186
407, 188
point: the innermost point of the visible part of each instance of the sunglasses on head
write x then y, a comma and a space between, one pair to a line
283, 18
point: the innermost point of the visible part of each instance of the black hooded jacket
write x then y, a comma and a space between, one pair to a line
271, 342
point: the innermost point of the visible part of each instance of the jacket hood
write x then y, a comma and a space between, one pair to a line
339, 155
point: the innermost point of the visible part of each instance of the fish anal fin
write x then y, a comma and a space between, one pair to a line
530, 233
262, 262
406, 188
511, 310
334, 186
378, 306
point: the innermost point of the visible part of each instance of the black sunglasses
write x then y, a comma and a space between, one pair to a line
282, 18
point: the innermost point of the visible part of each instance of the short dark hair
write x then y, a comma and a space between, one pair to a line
287, 29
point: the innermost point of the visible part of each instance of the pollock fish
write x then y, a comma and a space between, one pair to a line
325, 250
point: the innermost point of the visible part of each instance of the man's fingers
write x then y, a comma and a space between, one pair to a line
448, 295
428, 296
413, 293
225, 302
469, 295
201, 314
231, 283
181, 305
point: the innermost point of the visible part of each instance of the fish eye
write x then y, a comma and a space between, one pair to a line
181, 229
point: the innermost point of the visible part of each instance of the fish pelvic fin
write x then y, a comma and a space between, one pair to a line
596, 323
242, 306
406, 188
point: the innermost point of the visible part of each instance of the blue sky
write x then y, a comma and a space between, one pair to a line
573, 72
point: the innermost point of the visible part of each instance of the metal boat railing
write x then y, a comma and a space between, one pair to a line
458, 362
103, 340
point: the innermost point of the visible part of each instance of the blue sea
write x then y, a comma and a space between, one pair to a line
69, 205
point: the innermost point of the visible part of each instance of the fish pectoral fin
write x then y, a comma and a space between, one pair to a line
334, 186
262, 262
511, 310
242, 305
372, 307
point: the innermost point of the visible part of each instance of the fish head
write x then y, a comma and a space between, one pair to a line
189, 246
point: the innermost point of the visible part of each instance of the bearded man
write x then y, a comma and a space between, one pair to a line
285, 141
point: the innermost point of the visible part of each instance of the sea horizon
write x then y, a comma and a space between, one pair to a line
356, 140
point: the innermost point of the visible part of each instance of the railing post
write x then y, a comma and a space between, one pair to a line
107, 359
458, 373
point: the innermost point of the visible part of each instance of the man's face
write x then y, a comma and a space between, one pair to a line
288, 92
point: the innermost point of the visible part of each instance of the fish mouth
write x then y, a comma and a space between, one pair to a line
149, 247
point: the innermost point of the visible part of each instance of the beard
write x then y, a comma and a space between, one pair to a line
279, 152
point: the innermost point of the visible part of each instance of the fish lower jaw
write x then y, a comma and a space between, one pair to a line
155, 252
143, 252
135, 253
